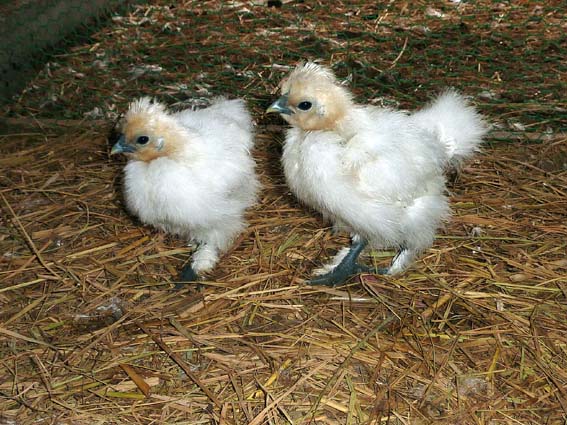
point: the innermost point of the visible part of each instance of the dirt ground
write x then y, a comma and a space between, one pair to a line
91, 329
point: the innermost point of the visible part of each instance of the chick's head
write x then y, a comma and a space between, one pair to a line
148, 132
312, 98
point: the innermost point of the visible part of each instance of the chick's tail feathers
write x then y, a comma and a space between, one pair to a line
235, 110
455, 122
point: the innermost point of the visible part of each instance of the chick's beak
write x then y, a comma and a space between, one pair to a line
122, 146
280, 106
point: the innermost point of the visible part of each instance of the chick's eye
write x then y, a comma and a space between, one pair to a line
142, 140
304, 106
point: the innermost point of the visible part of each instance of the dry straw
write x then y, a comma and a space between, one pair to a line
91, 330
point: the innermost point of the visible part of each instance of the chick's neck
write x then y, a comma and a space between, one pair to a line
345, 125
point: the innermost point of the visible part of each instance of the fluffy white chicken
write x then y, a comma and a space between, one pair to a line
190, 173
376, 173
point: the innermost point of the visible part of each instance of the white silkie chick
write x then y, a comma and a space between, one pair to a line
190, 173
374, 172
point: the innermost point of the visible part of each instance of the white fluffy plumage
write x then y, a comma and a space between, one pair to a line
376, 173
190, 172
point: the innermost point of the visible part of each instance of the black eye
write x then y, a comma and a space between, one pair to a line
142, 140
304, 106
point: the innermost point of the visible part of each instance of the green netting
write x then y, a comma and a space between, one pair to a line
31, 31
508, 55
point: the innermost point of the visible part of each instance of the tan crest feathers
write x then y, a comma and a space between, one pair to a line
145, 105
313, 69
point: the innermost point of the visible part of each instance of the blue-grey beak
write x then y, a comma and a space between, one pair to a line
280, 106
122, 146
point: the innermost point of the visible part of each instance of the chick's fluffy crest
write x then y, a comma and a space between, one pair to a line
312, 70
145, 115
145, 105
310, 74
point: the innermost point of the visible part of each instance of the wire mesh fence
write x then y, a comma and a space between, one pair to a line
510, 55
31, 31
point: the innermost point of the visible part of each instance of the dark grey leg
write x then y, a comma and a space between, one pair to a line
186, 276
347, 268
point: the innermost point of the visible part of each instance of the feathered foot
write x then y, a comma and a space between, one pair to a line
202, 261
401, 261
347, 268
187, 275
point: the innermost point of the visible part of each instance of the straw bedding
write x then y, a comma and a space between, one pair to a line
91, 330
